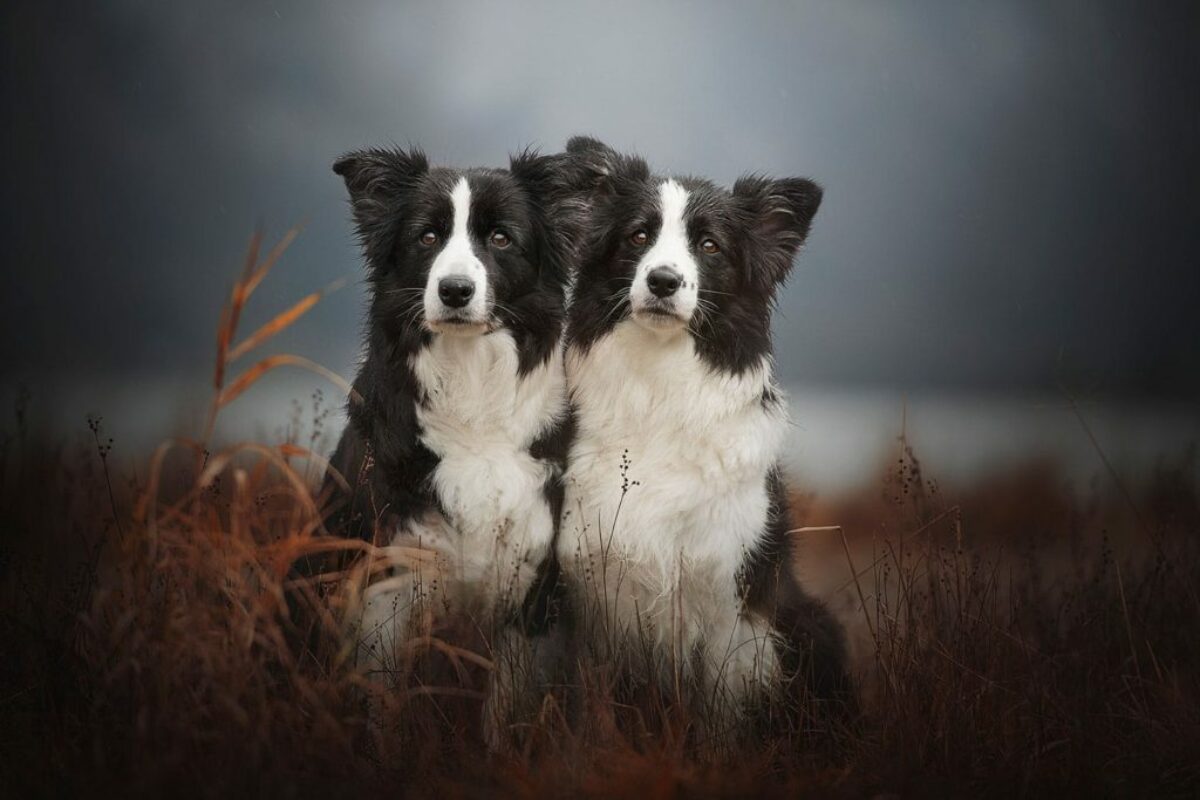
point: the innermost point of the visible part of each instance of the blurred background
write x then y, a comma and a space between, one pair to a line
1010, 217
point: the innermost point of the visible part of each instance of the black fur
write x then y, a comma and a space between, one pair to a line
544, 606
760, 224
395, 196
811, 644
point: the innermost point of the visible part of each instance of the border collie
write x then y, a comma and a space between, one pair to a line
675, 524
456, 447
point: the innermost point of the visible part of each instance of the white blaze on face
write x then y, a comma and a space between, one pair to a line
672, 250
457, 260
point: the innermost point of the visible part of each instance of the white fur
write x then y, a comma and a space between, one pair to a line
458, 258
671, 249
699, 444
479, 419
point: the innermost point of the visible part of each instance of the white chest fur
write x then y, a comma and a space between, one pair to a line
479, 417
666, 481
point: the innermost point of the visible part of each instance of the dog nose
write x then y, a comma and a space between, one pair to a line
456, 291
663, 281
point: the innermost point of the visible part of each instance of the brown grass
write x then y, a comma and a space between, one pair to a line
1015, 638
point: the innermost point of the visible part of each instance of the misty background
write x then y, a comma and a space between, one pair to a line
1011, 195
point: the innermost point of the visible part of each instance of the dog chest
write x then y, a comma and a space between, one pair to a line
669, 466
479, 417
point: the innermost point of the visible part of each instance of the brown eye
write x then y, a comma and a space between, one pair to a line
710, 247
500, 239
639, 238
429, 238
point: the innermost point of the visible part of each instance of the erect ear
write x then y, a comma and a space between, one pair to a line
551, 183
541, 176
594, 158
376, 173
779, 215
597, 165
376, 179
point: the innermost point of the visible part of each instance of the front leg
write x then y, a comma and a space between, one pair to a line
524, 670
397, 589
528, 660
740, 663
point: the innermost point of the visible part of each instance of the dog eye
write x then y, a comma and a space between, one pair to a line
710, 246
429, 238
640, 238
500, 239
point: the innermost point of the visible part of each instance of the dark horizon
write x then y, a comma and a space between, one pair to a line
1010, 190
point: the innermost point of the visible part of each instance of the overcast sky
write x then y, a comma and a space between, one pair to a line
1011, 188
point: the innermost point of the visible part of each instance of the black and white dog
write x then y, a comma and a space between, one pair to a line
675, 524
456, 447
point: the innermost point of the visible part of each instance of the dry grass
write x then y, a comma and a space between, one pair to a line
1012, 639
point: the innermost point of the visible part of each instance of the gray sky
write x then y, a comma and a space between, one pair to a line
1011, 188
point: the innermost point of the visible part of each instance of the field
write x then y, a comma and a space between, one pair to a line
1015, 637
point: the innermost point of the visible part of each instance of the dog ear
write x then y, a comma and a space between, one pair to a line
779, 215
376, 179
552, 185
374, 174
595, 159
597, 166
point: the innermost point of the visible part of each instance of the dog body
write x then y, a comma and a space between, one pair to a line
667, 472
674, 529
454, 453
481, 419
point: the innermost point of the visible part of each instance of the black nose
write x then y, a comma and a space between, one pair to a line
663, 281
456, 291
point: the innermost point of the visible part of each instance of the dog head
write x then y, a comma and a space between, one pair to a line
462, 252
682, 256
